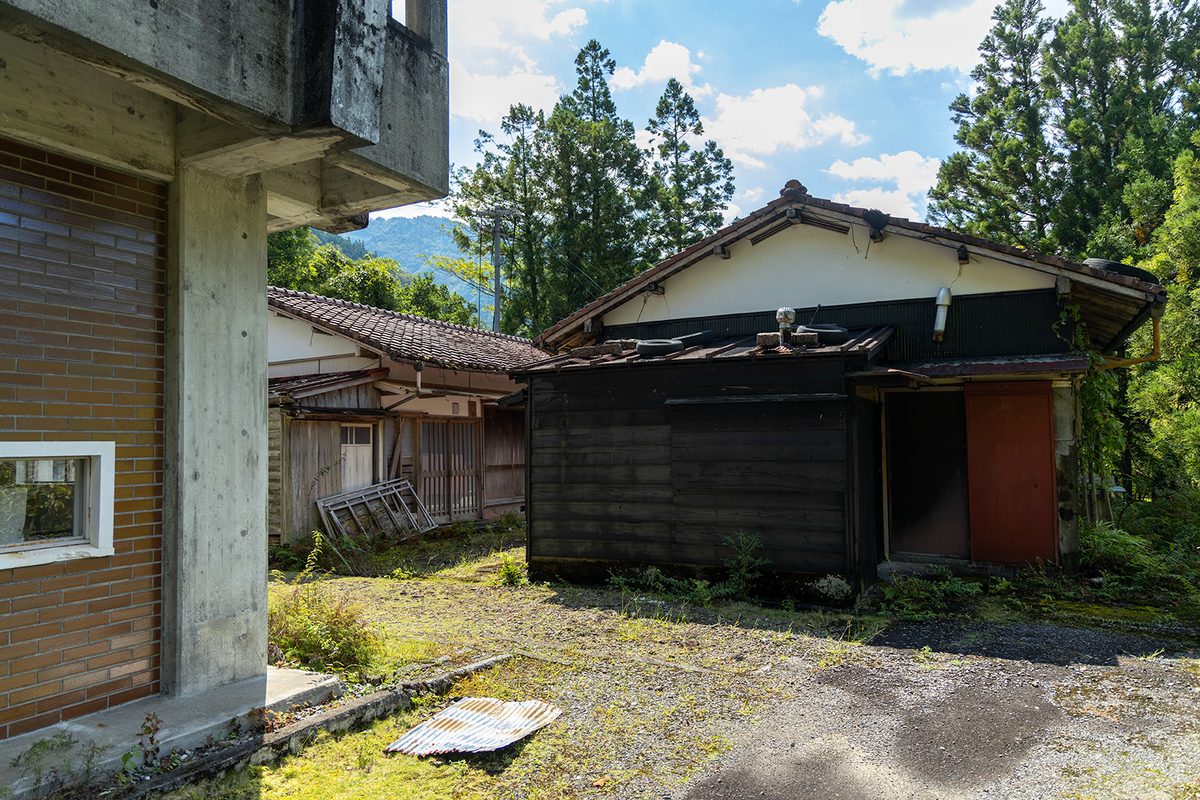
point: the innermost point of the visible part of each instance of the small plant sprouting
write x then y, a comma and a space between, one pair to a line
512, 572
48, 760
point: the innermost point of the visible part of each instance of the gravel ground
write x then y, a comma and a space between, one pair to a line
741, 703
988, 711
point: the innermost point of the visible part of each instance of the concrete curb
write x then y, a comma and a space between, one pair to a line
258, 748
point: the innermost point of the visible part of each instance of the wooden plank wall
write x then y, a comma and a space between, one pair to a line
618, 473
274, 475
315, 452
503, 457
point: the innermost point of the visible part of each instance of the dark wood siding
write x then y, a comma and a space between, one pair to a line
621, 470
1000, 324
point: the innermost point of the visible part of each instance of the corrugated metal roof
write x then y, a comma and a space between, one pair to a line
475, 725
297, 386
407, 337
1061, 363
866, 342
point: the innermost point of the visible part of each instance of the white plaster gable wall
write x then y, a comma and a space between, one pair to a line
804, 266
294, 347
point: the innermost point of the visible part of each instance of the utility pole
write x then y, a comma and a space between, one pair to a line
496, 214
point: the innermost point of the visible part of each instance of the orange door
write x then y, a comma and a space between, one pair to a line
1010, 472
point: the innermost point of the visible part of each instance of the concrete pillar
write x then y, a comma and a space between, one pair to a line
427, 19
214, 528
1066, 468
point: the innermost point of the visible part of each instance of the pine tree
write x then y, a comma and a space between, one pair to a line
596, 179
689, 187
1003, 185
511, 176
1116, 72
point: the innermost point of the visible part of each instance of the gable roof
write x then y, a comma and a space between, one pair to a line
1111, 304
405, 337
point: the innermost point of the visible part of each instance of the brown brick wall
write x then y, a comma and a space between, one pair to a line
82, 271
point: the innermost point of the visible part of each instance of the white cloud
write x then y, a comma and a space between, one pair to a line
913, 35
486, 98
892, 37
770, 120
487, 24
752, 195
667, 60
910, 172
893, 201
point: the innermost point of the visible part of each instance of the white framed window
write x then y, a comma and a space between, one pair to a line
56, 501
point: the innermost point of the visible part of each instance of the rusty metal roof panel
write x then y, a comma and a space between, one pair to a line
298, 386
867, 341
1058, 363
475, 725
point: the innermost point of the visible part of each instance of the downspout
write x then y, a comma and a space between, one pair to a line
1116, 363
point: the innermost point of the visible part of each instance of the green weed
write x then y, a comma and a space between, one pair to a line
316, 627
920, 598
512, 572
744, 570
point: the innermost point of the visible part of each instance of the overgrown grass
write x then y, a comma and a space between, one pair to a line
314, 626
920, 598
415, 557
743, 572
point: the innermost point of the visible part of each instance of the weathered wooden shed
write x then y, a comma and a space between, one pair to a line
358, 396
938, 424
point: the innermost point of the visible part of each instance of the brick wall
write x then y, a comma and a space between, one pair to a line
82, 262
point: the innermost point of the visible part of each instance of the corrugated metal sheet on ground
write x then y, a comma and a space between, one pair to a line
475, 725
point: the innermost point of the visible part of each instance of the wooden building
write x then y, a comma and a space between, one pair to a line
907, 435
358, 395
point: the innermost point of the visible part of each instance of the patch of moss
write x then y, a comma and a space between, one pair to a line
1145, 615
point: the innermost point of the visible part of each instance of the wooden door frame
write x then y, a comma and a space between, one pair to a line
885, 462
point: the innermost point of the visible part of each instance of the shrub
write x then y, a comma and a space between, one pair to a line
315, 627
512, 572
919, 598
1131, 563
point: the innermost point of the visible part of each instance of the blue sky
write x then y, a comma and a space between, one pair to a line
849, 96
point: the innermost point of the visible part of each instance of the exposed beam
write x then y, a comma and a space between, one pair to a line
212, 145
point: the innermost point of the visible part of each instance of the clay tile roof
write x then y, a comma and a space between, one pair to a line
405, 336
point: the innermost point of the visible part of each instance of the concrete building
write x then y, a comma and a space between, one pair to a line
146, 150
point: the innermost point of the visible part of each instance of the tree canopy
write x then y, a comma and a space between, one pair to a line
587, 208
295, 261
1079, 138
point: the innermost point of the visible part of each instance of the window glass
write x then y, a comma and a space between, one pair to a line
362, 435
42, 500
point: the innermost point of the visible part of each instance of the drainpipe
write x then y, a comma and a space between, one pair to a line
939, 322
1156, 313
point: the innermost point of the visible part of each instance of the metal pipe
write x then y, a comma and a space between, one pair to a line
939, 321
1117, 363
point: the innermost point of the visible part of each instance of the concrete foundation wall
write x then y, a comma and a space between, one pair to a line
214, 629
1066, 467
